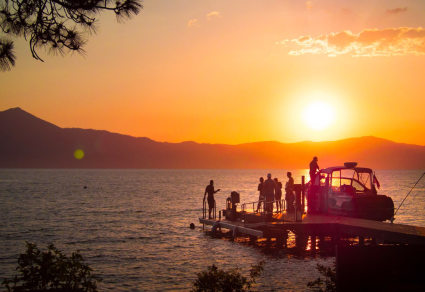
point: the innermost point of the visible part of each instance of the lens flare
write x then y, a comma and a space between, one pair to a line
79, 154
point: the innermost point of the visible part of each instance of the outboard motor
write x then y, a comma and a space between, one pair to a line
231, 205
236, 198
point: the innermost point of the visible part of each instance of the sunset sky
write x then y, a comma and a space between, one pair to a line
235, 71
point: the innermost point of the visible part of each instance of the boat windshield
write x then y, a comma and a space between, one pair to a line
348, 180
364, 178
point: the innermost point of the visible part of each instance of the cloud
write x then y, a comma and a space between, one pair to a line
397, 10
368, 43
209, 16
192, 22
213, 14
346, 11
309, 5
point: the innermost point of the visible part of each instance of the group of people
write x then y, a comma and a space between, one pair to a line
270, 191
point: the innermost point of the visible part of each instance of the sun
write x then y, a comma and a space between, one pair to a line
318, 115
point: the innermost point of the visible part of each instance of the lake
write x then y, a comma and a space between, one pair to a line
132, 226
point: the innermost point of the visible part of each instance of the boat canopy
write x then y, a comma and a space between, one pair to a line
361, 176
329, 170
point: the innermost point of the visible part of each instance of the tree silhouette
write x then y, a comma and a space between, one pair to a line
58, 25
51, 270
215, 279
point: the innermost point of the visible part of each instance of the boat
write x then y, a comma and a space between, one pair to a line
350, 191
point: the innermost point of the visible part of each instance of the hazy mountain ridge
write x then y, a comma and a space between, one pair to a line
28, 141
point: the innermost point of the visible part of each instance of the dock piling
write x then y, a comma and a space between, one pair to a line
361, 240
235, 233
252, 239
303, 193
313, 243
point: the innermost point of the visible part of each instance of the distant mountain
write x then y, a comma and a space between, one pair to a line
29, 142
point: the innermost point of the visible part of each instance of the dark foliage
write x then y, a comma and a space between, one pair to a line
214, 279
7, 56
51, 270
58, 25
326, 285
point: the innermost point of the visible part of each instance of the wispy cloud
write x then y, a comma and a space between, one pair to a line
369, 42
309, 5
346, 11
213, 14
192, 22
397, 10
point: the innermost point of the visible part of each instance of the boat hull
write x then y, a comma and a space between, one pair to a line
372, 207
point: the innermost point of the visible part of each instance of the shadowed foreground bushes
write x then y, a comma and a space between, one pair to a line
51, 270
215, 279
328, 284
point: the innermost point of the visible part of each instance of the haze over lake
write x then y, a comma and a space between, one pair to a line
34, 143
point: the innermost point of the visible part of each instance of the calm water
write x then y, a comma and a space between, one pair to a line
132, 225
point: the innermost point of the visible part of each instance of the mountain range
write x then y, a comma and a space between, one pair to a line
30, 142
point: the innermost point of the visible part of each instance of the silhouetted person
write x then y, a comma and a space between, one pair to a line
211, 201
261, 193
289, 192
278, 194
314, 167
269, 187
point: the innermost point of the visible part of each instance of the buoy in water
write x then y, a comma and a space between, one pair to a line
85, 187
192, 226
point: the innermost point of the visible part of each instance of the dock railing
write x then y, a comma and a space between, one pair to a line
205, 210
260, 207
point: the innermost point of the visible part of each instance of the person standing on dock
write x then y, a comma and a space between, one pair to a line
269, 190
289, 192
278, 194
261, 192
211, 201
314, 167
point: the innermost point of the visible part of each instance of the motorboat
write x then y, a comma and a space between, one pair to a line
350, 191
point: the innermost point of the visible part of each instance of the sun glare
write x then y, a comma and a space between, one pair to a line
319, 115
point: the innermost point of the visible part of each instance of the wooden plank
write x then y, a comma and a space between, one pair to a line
232, 225
207, 221
241, 229
348, 223
385, 231
370, 224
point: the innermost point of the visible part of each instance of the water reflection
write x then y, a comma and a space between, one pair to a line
294, 246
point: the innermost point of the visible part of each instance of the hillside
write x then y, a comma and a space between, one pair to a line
29, 142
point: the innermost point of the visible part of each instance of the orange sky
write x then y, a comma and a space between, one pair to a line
228, 71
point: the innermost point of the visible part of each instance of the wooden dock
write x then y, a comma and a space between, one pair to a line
320, 226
